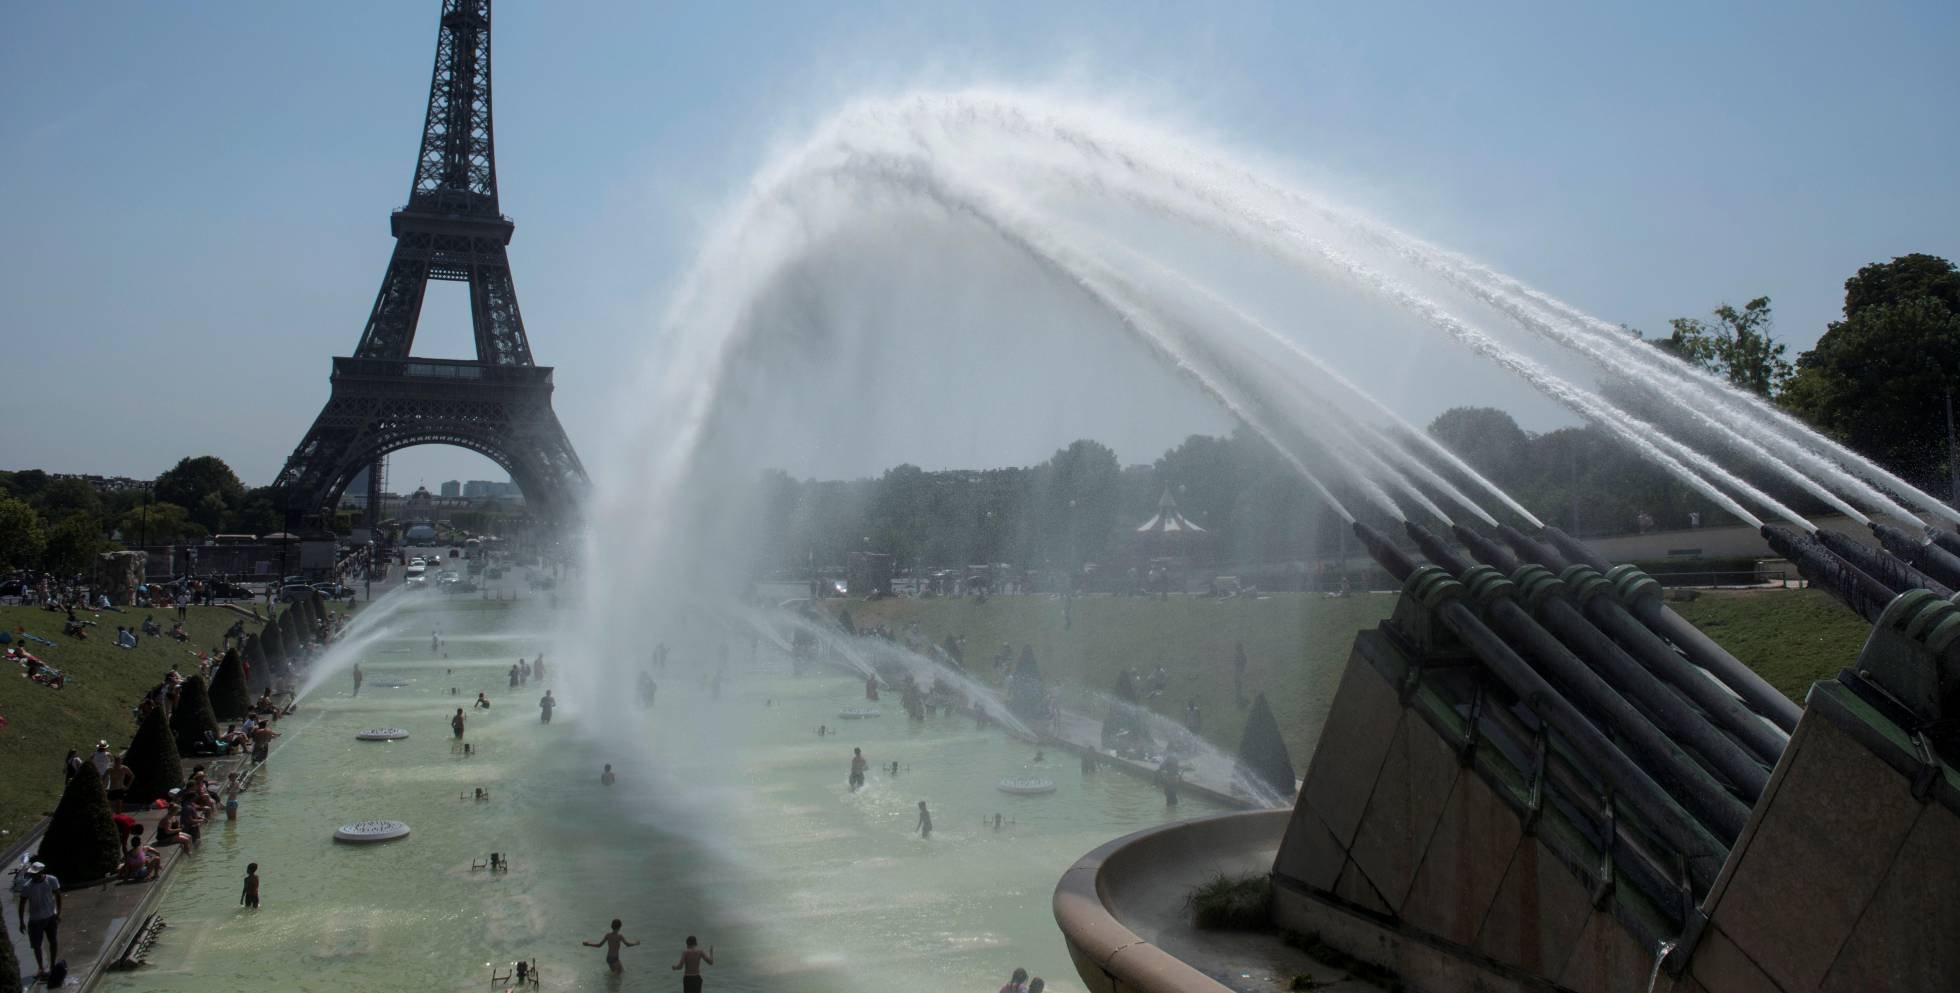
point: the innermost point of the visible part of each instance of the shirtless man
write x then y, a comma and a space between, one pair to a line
857, 769
692, 958
611, 942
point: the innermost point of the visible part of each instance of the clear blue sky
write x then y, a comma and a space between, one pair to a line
195, 195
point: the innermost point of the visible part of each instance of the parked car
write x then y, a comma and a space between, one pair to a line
335, 591
295, 591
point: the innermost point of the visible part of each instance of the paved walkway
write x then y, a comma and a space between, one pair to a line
99, 918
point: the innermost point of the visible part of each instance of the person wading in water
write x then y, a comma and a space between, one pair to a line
692, 958
611, 942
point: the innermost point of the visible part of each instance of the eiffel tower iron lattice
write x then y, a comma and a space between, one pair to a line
385, 399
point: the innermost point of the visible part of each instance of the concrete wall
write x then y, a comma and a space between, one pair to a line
1401, 855
1844, 880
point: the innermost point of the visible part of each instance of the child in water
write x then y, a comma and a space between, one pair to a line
250, 896
925, 821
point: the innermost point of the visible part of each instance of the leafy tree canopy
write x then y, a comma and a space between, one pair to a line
1736, 344
1880, 380
187, 483
21, 537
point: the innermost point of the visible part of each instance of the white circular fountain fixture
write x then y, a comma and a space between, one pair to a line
859, 713
382, 734
361, 832
1026, 785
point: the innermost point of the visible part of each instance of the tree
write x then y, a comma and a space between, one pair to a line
1880, 381
257, 514
1262, 752
187, 483
154, 760
1908, 277
1737, 344
1485, 437
82, 841
68, 495
158, 523
228, 698
192, 716
72, 545
21, 538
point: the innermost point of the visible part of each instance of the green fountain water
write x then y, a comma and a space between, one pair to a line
733, 822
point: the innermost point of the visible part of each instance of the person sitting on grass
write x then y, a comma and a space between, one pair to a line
150, 626
177, 631
125, 638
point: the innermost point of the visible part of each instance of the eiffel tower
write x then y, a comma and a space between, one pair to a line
383, 398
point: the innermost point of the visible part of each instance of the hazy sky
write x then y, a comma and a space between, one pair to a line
194, 196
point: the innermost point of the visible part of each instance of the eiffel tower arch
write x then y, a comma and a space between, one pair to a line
383, 398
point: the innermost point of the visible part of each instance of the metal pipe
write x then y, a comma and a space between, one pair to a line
1764, 742
1847, 582
1930, 558
1703, 851
1700, 649
1881, 564
1944, 538
1531, 549
1488, 551
1643, 709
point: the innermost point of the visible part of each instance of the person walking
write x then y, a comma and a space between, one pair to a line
692, 959
925, 821
249, 897
858, 766
456, 724
39, 909
544, 708
357, 679
612, 941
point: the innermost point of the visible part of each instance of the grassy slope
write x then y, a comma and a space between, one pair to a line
104, 682
1792, 637
1288, 638
1296, 644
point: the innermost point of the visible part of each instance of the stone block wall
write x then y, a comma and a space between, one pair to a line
1406, 853
1847, 878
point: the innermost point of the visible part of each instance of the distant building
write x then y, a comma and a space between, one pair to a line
452, 488
107, 484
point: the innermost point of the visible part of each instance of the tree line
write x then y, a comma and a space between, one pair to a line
59, 523
1880, 379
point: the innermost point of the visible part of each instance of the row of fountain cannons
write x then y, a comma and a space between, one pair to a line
1546, 779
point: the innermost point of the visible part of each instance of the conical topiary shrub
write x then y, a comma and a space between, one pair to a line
154, 760
258, 675
82, 842
291, 639
1262, 752
229, 698
193, 715
274, 645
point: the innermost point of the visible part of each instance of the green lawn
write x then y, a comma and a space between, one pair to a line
1296, 644
103, 684
1792, 637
